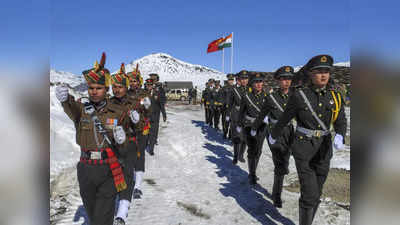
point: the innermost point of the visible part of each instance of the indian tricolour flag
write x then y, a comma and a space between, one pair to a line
226, 43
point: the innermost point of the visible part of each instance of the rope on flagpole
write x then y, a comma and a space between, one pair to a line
232, 55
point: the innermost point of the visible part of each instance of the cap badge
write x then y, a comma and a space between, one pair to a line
287, 69
324, 59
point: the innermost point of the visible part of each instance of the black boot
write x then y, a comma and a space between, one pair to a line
235, 153
252, 171
277, 191
242, 149
305, 216
315, 210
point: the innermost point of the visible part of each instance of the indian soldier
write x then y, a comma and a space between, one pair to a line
271, 111
316, 108
137, 92
216, 104
99, 133
226, 92
157, 106
234, 101
160, 100
250, 108
120, 85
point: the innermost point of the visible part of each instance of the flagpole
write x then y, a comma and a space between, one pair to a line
223, 60
232, 54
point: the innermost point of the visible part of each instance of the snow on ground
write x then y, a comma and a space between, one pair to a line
192, 167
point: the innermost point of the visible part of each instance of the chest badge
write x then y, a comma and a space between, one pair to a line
110, 123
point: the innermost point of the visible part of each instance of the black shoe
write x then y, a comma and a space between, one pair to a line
241, 159
137, 194
119, 221
305, 216
234, 161
252, 179
277, 202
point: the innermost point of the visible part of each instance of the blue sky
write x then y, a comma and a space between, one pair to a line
266, 34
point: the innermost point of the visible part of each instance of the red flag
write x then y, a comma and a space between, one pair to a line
213, 46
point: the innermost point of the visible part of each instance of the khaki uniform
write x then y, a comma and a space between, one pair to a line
96, 183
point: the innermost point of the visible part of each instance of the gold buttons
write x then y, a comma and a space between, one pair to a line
301, 137
320, 93
319, 115
320, 104
284, 104
319, 126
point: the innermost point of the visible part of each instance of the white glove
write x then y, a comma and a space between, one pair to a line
227, 119
253, 133
146, 102
119, 134
238, 129
266, 120
62, 93
271, 140
134, 115
338, 141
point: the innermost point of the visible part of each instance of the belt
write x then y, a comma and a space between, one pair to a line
250, 118
132, 139
272, 121
94, 155
312, 133
97, 161
237, 108
92, 149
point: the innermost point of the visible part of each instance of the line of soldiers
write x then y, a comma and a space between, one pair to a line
113, 133
297, 121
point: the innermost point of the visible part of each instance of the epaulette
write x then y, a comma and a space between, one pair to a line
250, 90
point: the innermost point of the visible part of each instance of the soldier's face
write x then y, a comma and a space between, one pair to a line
320, 77
244, 81
119, 90
97, 92
230, 82
238, 81
258, 85
284, 82
149, 87
134, 83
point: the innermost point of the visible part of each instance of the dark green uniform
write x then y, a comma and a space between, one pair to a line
226, 92
312, 146
273, 107
250, 108
216, 102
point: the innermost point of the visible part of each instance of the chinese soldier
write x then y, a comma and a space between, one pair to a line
316, 108
250, 108
226, 92
271, 111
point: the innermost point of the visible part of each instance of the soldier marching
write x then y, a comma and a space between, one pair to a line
115, 132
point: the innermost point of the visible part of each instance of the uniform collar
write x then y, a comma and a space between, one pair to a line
318, 90
99, 105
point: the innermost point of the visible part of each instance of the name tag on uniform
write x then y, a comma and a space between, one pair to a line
95, 155
111, 123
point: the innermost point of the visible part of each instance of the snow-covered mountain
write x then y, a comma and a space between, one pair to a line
172, 69
166, 66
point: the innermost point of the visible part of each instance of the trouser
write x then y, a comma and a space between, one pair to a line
238, 140
217, 115
129, 168
140, 155
254, 148
153, 135
225, 124
206, 113
210, 115
281, 151
312, 157
98, 192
